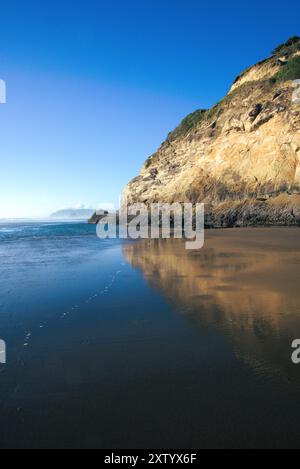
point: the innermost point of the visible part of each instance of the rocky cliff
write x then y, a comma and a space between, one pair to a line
242, 157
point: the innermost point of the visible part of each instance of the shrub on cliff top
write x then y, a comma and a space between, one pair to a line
282, 49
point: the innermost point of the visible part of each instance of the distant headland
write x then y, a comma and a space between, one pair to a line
72, 214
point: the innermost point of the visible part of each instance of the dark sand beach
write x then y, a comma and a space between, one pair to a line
147, 345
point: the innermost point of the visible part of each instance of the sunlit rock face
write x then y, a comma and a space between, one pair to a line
244, 282
242, 157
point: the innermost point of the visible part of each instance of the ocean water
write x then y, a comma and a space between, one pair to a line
114, 344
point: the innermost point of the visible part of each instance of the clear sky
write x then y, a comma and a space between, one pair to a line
93, 87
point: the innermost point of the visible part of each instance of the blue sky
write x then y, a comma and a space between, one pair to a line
94, 87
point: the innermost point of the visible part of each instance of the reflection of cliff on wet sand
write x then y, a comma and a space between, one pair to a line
244, 281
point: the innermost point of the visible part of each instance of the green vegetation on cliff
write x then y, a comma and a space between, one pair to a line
287, 47
188, 124
290, 71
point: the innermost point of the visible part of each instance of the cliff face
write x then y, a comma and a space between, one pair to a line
242, 157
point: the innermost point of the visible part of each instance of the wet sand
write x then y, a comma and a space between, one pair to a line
147, 345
